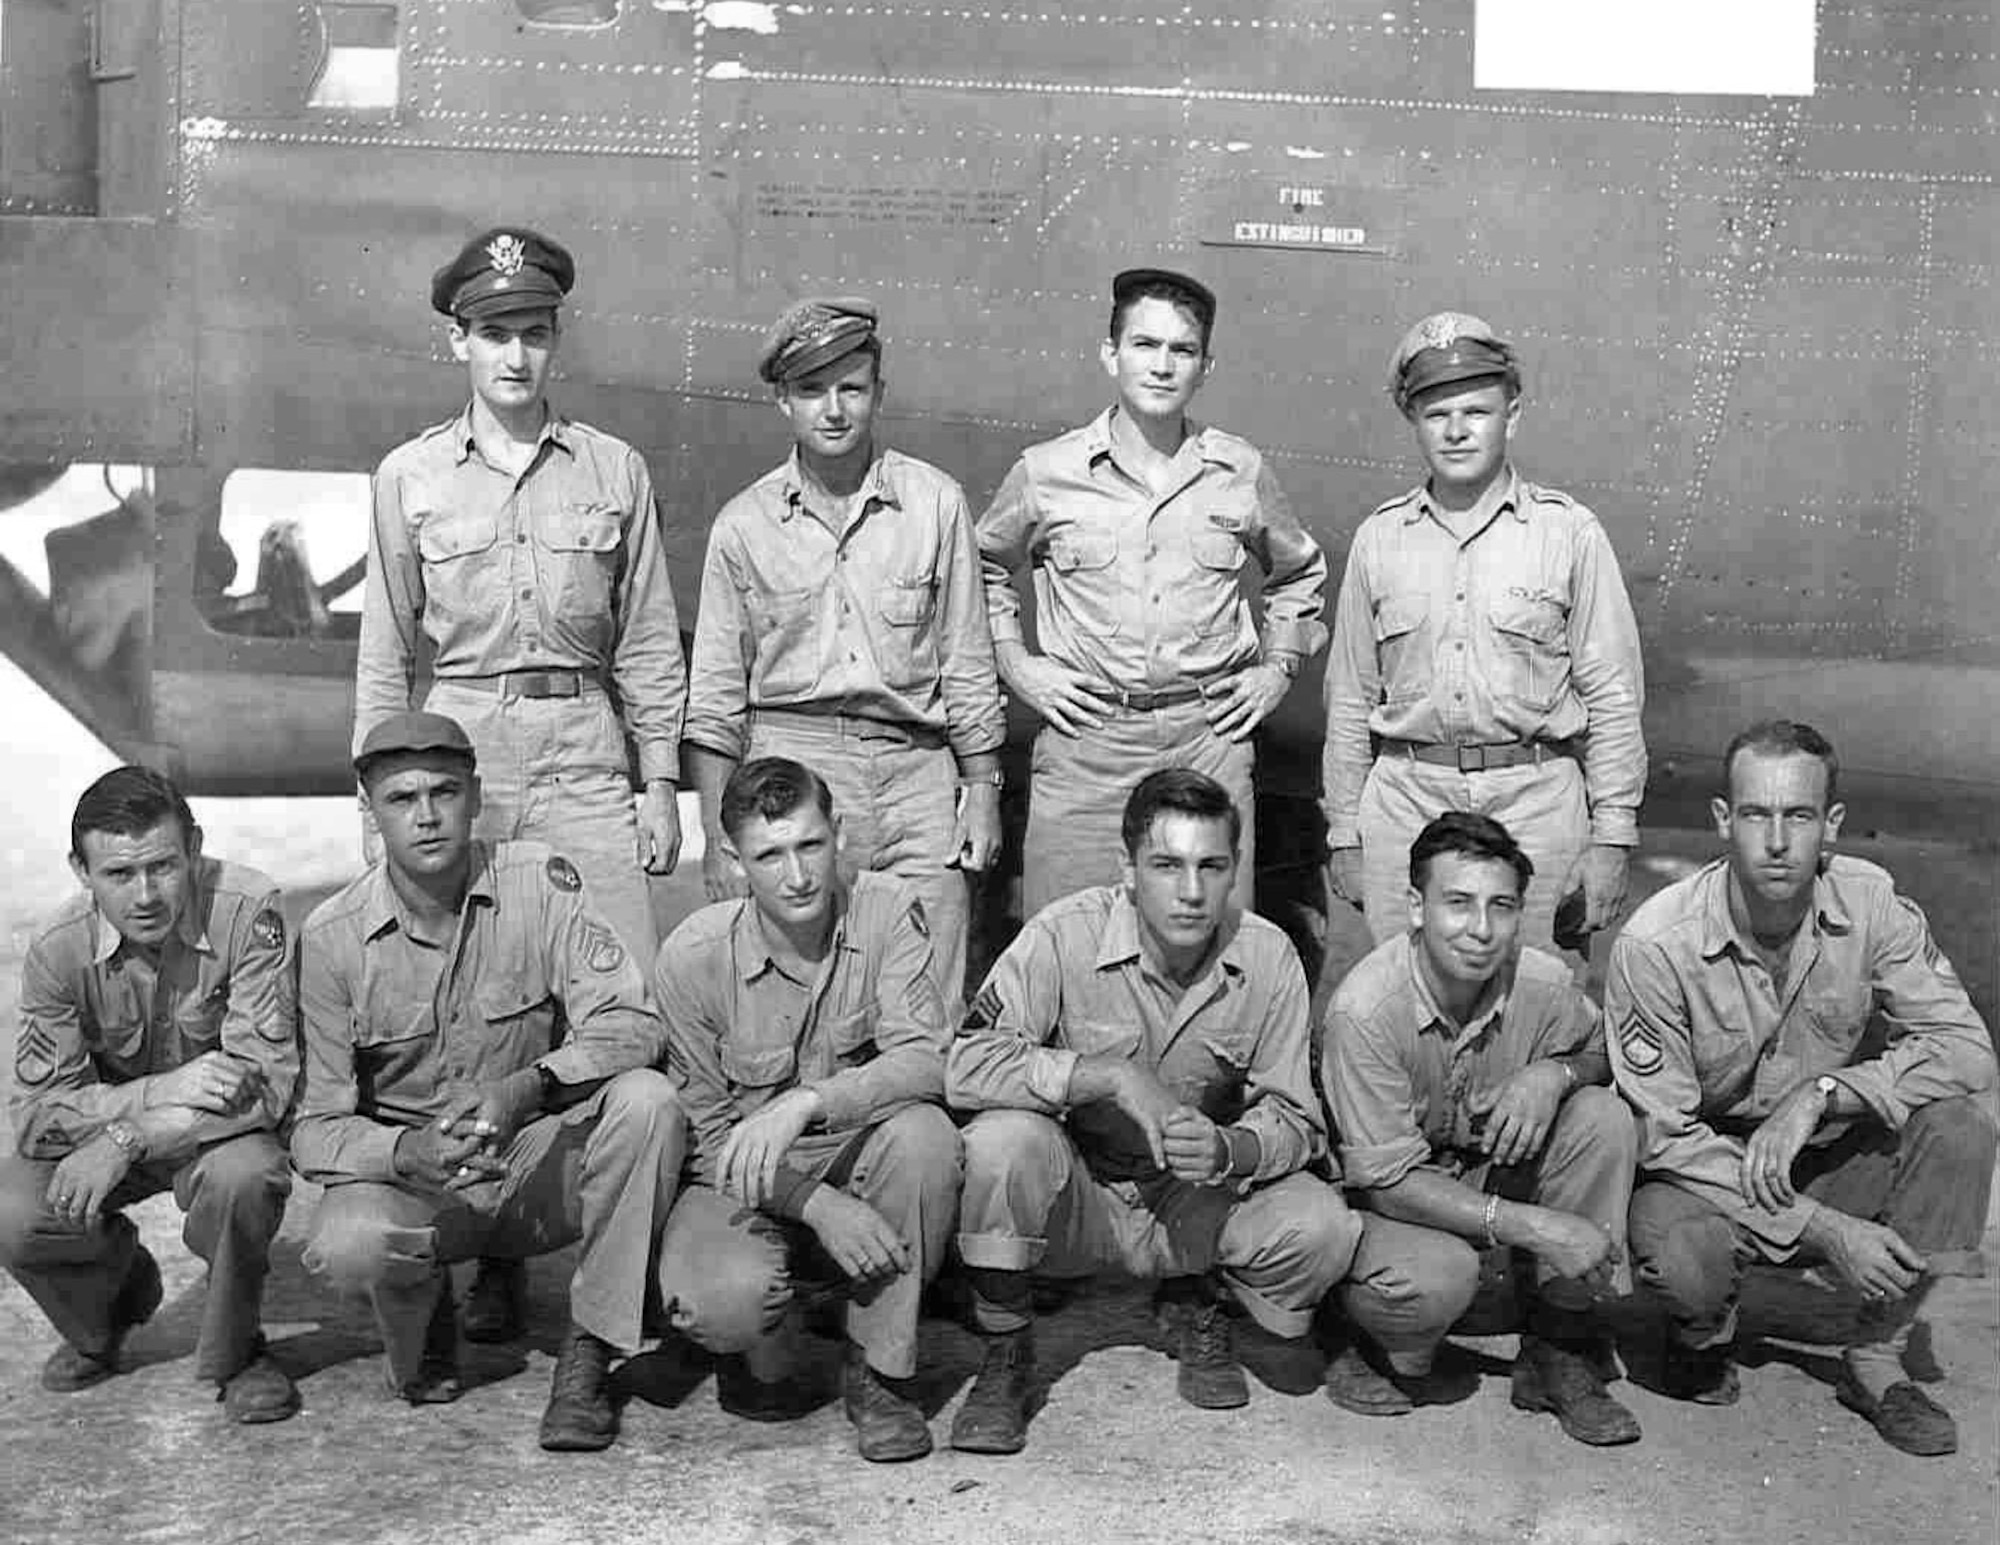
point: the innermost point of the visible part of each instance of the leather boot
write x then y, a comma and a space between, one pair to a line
994, 1416
69, 1368
496, 1307
888, 1425
580, 1417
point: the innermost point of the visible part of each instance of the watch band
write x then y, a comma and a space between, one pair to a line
996, 778
127, 1139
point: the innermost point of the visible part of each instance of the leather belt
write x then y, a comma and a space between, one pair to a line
1511, 753
530, 683
1146, 702
847, 726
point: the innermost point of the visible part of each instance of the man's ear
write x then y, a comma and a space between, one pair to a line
461, 341
1718, 811
473, 795
1416, 898
194, 844
1835, 814
76, 867
1107, 351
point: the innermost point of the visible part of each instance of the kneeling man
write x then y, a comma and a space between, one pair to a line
158, 1050
1467, 1079
1776, 1126
1138, 1057
807, 1030
478, 1082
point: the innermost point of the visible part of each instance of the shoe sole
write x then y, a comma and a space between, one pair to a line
1861, 1407
1362, 1408
1229, 1402
896, 1456
258, 1418
976, 1443
577, 1443
1541, 1403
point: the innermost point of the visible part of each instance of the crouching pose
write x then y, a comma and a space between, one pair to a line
1738, 1000
1138, 1057
1467, 1080
478, 1083
807, 1030
158, 1050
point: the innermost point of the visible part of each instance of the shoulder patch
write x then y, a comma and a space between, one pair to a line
918, 921
602, 952
985, 1011
268, 928
35, 1056
1640, 1043
562, 874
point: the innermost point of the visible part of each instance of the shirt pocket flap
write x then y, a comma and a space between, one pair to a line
442, 536
1397, 615
1232, 1048
1102, 1038
407, 1024
1075, 550
586, 528
774, 611
852, 1036
1218, 550
757, 1068
907, 603
1525, 617
510, 1000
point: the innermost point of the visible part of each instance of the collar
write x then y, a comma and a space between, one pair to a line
1503, 494
1119, 943
190, 927
750, 945
1208, 443
1431, 1016
1719, 933
875, 488
555, 431
382, 908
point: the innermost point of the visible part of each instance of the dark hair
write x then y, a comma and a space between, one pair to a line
771, 787
1783, 737
128, 801
1471, 836
1180, 791
1177, 295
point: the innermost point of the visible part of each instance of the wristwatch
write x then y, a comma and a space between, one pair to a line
1285, 661
126, 1138
996, 778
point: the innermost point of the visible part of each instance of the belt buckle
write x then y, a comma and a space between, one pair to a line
1471, 758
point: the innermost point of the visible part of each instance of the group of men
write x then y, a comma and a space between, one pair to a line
482, 1052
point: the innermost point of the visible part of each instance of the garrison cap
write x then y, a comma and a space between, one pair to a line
1199, 295
412, 731
509, 268
1448, 347
813, 332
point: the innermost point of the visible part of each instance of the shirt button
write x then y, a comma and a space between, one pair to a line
1461, 595
1459, 695
522, 536
1460, 647
527, 595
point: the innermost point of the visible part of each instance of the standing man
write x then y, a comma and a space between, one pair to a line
1136, 528
807, 1035
526, 548
842, 624
478, 1082
157, 1051
1468, 1080
1775, 1127
1484, 657
1138, 1059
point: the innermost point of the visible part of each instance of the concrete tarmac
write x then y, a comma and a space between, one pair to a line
1112, 1455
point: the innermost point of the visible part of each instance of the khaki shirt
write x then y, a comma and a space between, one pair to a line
561, 568
880, 614
1520, 631
100, 1022
866, 1034
1407, 1084
398, 1022
1704, 1043
1075, 983
1141, 591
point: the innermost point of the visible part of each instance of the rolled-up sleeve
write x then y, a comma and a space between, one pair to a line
1652, 1062
646, 664
1280, 1109
1353, 686
1373, 1098
1006, 535
391, 608
1294, 572
1001, 1059
331, 1141
1938, 1047
1610, 679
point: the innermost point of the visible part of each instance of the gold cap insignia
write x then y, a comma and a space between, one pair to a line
508, 254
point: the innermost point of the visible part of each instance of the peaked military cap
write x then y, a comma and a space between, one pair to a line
413, 731
813, 332
1199, 295
1446, 348
509, 268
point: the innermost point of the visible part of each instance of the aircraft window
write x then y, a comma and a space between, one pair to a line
76, 569
287, 555
360, 65
568, 13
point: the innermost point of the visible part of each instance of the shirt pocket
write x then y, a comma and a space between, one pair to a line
1093, 1035
198, 1021
456, 549
909, 642
581, 550
757, 1074
394, 1057
519, 1022
1532, 664
1399, 648
785, 664
851, 1037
